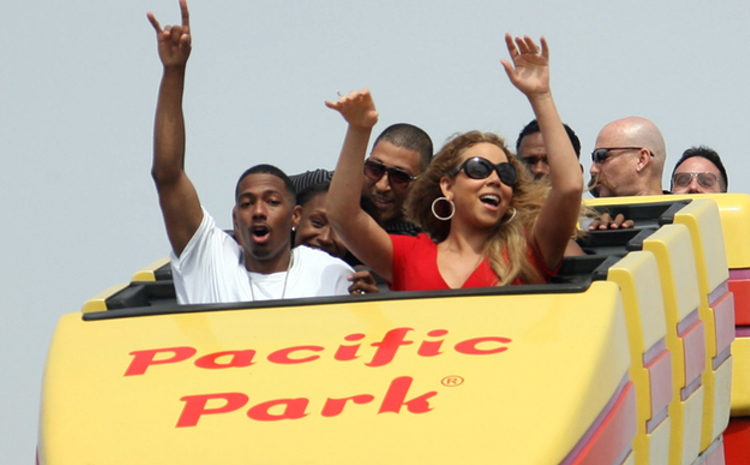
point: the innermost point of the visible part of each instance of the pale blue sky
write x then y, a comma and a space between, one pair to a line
79, 81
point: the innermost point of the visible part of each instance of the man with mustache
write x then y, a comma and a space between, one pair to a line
628, 158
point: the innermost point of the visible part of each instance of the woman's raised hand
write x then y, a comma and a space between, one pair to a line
529, 70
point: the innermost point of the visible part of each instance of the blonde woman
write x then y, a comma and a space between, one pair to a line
486, 223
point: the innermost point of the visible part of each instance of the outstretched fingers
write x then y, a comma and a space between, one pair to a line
525, 45
545, 47
185, 14
154, 22
512, 50
176, 32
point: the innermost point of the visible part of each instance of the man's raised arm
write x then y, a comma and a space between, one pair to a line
177, 196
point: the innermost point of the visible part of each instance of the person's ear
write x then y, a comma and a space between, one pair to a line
296, 216
446, 187
644, 159
237, 235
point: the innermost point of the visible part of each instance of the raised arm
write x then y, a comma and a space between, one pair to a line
529, 72
177, 196
360, 232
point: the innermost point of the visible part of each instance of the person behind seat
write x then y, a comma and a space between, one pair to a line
699, 171
314, 230
209, 266
399, 155
491, 224
531, 151
628, 158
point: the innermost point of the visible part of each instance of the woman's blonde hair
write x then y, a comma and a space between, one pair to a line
507, 247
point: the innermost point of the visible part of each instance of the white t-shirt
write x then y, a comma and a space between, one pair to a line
211, 270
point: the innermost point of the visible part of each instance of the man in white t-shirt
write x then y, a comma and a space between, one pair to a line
209, 266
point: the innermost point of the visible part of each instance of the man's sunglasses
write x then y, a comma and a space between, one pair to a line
601, 155
707, 180
481, 168
374, 170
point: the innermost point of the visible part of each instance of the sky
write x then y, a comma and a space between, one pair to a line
78, 84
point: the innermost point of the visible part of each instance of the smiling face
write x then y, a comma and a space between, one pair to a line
480, 203
315, 231
263, 217
387, 199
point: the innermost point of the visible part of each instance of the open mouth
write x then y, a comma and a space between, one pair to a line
260, 233
490, 199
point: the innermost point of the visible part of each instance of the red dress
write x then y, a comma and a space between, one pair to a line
415, 266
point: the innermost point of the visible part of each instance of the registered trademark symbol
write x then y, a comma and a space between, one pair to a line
452, 381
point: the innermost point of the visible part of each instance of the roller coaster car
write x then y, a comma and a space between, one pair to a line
628, 356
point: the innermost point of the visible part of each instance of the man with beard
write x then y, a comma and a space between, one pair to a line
399, 155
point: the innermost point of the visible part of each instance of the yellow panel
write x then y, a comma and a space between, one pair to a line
601, 201
691, 440
566, 354
637, 275
148, 273
722, 397
671, 245
735, 219
658, 451
98, 302
701, 216
741, 377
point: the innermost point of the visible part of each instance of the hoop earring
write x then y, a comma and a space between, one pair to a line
450, 202
512, 216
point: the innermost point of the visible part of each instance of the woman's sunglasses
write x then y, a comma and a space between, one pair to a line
374, 170
481, 168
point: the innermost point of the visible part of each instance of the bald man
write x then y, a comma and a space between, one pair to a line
628, 158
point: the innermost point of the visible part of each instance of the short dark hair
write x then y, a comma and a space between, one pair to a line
710, 155
533, 127
409, 137
267, 169
312, 191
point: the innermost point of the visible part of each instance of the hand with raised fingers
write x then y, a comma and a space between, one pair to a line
529, 66
357, 108
173, 41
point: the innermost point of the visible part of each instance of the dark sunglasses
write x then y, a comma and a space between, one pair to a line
481, 168
707, 180
374, 170
601, 155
